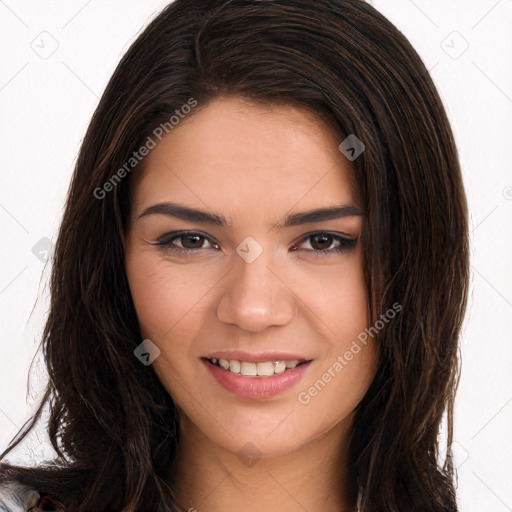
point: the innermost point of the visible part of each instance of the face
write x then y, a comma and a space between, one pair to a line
246, 272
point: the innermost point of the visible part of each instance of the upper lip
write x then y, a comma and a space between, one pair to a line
257, 358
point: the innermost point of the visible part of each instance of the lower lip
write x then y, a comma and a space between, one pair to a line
257, 387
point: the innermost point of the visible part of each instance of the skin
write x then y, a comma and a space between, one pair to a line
254, 165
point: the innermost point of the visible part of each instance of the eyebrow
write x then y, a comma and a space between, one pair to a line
195, 215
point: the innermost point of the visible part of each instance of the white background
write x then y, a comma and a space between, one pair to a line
47, 100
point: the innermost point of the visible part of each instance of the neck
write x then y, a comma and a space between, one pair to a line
206, 476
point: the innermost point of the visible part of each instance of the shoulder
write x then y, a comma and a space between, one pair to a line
16, 497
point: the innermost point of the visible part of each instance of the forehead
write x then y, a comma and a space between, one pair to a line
235, 155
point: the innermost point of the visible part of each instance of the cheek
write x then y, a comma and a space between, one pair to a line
164, 297
153, 301
339, 299
344, 373
172, 308
335, 389
347, 366
347, 303
167, 305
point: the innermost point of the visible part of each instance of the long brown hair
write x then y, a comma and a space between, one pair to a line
114, 427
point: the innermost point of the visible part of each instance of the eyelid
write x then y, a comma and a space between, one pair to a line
337, 235
168, 237
346, 242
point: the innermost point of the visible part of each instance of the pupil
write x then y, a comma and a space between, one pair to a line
196, 241
323, 239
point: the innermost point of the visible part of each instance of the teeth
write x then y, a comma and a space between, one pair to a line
262, 369
234, 366
279, 367
266, 368
247, 368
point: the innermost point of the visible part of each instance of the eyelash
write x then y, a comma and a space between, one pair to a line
346, 244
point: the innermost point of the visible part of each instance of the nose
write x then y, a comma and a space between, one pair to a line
255, 296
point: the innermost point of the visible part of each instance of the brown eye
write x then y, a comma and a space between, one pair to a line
193, 241
321, 241
190, 242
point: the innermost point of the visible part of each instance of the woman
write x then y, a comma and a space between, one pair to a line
260, 276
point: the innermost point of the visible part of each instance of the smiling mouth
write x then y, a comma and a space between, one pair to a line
260, 369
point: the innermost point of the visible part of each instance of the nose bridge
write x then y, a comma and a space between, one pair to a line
254, 297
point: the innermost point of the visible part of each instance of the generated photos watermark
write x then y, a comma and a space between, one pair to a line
151, 142
249, 454
352, 147
249, 249
305, 397
147, 352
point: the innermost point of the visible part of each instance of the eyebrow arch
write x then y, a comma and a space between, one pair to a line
194, 215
